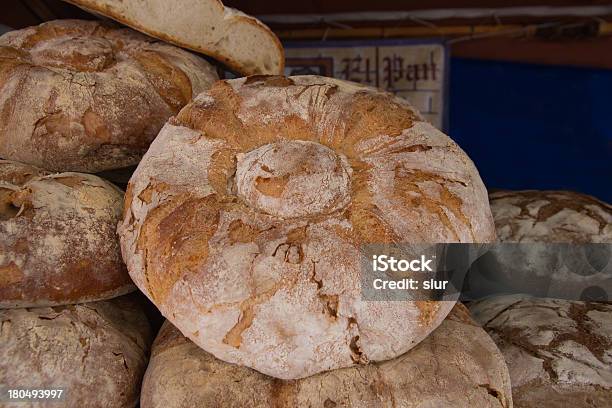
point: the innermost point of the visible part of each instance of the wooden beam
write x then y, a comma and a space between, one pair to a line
396, 32
340, 6
594, 53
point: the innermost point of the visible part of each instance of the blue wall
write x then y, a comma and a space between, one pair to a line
531, 126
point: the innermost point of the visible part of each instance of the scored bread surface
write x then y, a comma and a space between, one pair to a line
58, 240
552, 245
551, 216
557, 351
244, 221
95, 352
89, 96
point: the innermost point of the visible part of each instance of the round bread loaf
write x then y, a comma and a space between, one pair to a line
551, 216
553, 244
244, 221
58, 240
88, 96
559, 352
457, 366
96, 352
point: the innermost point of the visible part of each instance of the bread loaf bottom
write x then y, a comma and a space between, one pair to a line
239, 41
457, 366
96, 352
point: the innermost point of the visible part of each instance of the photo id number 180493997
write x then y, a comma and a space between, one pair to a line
19, 394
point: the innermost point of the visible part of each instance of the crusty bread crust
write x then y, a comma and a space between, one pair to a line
551, 216
557, 351
241, 42
457, 365
58, 241
88, 96
97, 352
547, 255
244, 220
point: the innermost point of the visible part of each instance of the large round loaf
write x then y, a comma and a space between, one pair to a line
559, 352
58, 240
96, 352
553, 244
88, 96
244, 221
457, 366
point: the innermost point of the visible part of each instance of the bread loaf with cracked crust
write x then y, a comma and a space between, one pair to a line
89, 96
96, 352
58, 239
559, 352
457, 365
556, 244
244, 220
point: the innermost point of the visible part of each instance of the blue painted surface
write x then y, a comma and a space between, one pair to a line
530, 126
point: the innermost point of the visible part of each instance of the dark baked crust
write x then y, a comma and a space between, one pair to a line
550, 216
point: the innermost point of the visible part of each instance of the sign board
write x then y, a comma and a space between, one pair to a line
411, 69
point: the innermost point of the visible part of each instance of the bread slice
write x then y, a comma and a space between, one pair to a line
235, 39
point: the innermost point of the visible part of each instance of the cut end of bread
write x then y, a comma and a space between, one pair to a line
241, 42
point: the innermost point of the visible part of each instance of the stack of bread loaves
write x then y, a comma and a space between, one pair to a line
558, 345
252, 251
85, 96
59, 265
242, 223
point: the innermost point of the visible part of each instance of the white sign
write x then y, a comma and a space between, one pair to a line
413, 70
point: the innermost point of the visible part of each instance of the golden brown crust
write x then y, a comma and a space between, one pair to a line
174, 254
293, 176
88, 96
57, 238
18, 173
356, 120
